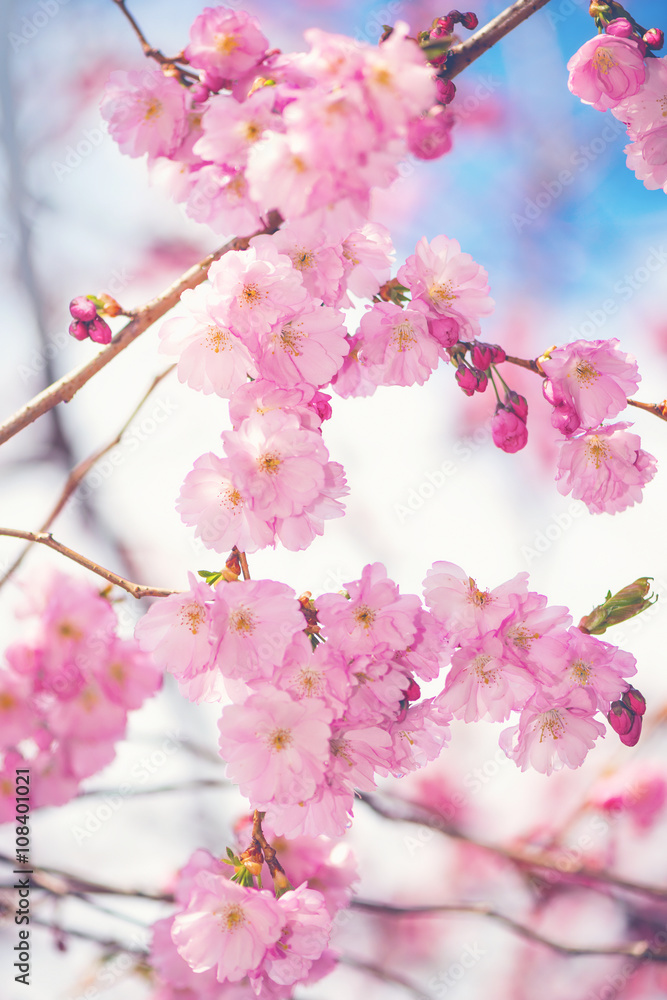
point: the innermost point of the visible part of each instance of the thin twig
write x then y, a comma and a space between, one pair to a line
81, 470
641, 950
150, 51
65, 388
46, 538
401, 811
384, 975
60, 883
461, 56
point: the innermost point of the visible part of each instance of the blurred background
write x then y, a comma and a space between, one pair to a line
576, 258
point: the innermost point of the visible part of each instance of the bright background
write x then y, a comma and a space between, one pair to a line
584, 259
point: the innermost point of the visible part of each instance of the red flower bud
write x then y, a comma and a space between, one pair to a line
518, 404
621, 718
79, 329
631, 738
654, 38
469, 20
413, 692
82, 308
467, 379
446, 91
509, 431
634, 700
482, 356
620, 27
99, 331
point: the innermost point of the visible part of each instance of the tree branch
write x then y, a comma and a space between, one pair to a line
81, 470
46, 538
65, 388
641, 950
461, 56
401, 811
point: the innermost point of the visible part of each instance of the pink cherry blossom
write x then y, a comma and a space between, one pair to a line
145, 112
219, 196
176, 630
597, 666
305, 346
226, 926
315, 253
305, 935
263, 396
465, 610
509, 432
430, 136
277, 462
221, 514
482, 683
647, 108
299, 530
448, 281
418, 736
647, 157
230, 129
225, 44
375, 617
606, 468
254, 622
257, 288
276, 749
593, 377
639, 789
535, 635
396, 347
606, 70
210, 357
553, 731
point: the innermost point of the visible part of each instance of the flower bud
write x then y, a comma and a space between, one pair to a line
469, 20
509, 432
199, 93
99, 331
482, 356
82, 308
621, 718
631, 738
654, 38
445, 330
616, 608
108, 305
429, 137
442, 26
498, 354
413, 692
446, 91
634, 700
467, 379
482, 379
320, 403
620, 27
79, 329
518, 404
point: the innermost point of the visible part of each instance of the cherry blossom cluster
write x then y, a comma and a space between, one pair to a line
512, 652
613, 72
227, 933
274, 314
602, 464
246, 129
64, 697
322, 708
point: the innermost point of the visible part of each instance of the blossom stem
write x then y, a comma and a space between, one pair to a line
149, 51
461, 56
65, 388
46, 538
493, 383
507, 388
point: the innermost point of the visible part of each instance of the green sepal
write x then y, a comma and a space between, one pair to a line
619, 607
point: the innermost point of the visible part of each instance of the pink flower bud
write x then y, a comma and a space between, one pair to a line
199, 93
621, 718
482, 379
517, 403
445, 330
498, 354
446, 91
321, 405
443, 26
631, 738
509, 431
634, 700
621, 27
79, 329
82, 308
654, 38
482, 356
99, 331
469, 20
413, 692
467, 379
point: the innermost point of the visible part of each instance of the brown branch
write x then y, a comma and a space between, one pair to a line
81, 470
657, 409
65, 388
641, 950
149, 50
60, 883
461, 56
46, 538
401, 811
525, 363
